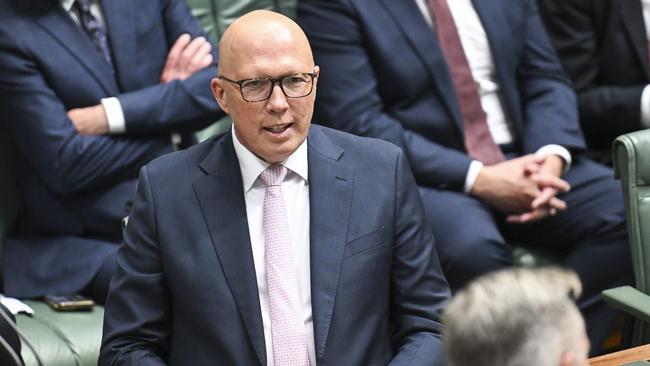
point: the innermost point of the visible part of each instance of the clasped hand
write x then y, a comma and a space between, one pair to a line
524, 188
186, 57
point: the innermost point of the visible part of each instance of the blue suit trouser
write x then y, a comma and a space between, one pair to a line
591, 236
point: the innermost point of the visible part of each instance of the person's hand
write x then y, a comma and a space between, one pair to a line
186, 57
89, 120
507, 186
547, 177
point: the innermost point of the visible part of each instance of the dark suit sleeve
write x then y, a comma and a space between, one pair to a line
550, 113
573, 26
349, 100
419, 289
37, 121
185, 105
137, 312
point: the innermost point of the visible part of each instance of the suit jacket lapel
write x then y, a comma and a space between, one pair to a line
409, 18
70, 36
120, 28
330, 197
632, 17
220, 195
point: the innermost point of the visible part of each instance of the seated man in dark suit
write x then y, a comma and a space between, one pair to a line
474, 94
277, 243
603, 45
89, 92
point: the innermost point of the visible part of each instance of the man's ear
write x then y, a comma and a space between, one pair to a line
317, 71
219, 94
567, 358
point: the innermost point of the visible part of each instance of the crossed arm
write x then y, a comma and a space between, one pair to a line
186, 57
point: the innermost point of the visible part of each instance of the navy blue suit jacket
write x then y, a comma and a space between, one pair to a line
384, 75
76, 189
185, 291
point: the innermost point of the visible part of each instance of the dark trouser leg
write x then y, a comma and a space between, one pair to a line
466, 235
593, 235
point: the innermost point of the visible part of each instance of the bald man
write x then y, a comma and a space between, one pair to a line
279, 242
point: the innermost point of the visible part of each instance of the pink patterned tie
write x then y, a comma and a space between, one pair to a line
287, 327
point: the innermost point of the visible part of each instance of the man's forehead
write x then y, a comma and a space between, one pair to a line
271, 68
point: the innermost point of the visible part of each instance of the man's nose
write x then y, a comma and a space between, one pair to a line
277, 101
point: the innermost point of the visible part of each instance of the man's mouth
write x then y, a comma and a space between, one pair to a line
278, 128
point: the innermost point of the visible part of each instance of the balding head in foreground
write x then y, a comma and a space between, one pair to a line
517, 317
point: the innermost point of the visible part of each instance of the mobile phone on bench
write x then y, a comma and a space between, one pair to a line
69, 302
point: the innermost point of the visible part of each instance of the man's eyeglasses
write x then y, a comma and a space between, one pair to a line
260, 89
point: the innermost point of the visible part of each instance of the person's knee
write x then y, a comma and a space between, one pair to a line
469, 256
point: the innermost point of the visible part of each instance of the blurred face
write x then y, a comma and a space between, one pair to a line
274, 128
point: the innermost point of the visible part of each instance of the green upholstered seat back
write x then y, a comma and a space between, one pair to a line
631, 153
216, 15
632, 167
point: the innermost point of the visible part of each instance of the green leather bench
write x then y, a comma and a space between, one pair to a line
60, 339
631, 153
216, 15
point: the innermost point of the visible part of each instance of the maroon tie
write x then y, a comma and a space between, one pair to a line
478, 140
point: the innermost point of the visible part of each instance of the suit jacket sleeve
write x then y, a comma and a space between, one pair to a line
549, 113
180, 105
348, 97
573, 27
137, 314
419, 289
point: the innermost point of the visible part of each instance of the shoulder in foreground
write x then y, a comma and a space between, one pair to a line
355, 143
189, 158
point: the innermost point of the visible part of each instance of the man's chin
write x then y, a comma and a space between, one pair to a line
280, 153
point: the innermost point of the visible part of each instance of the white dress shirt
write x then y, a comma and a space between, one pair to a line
295, 190
479, 56
645, 96
112, 106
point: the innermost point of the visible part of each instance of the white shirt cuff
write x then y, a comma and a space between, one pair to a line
472, 173
15, 306
645, 107
558, 150
114, 115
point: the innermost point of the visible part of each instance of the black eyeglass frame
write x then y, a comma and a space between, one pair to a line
312, 75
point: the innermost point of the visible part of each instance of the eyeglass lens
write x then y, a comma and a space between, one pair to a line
293, 86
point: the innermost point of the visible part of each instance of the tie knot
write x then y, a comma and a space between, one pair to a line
273, 175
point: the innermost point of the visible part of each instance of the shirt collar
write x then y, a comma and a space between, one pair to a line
67, 5
251, 166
